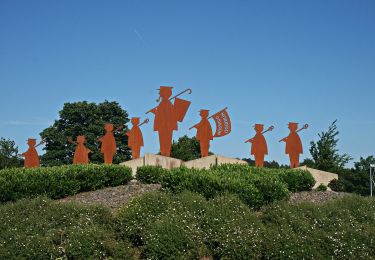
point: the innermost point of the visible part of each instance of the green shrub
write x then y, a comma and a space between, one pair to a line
44, 229
135, 217
59, 181
187, 226
150, 174
255, 190
341, 229
297, 180
321, 187
231, 229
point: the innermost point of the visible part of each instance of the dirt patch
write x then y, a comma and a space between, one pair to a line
113, 197
316, 196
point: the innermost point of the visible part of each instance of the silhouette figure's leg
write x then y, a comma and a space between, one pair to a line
108, 158
259, 160
204, 145
294, 160
136, 151
168, 143
165, 138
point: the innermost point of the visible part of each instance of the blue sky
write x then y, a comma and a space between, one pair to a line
269, 62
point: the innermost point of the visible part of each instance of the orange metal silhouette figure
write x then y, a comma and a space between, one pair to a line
204, 133
81, 154
31, 155
135, 141
108, 147
204, 130
167, 115
259, 145
294, 144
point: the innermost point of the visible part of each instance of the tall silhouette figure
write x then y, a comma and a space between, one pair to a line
204, 132
108, 147
31, 155
81, 154
293, 144
167, 115
259, 145
135, 137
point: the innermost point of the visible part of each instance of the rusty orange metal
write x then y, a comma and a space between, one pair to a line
167, 116
259, 146
294, 144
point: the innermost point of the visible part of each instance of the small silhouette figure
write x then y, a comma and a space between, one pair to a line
31, 155
108, 147
259, 145
81, 154
167, 115
204, 132
293, 144
135, 140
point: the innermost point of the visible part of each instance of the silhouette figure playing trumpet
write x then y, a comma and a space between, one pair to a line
259, 145
135, 137
204, 132
81, 154
294, 144
108, 147
31, 155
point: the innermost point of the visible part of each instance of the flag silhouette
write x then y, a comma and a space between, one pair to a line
223, 123
181, 106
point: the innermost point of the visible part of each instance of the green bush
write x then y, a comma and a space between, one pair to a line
321, 187
45, 229
254, 190
341, 229
59, 181
187, 226
231, 229
150, 174
297, 180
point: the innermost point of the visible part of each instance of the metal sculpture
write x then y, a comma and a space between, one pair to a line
108, 147
167, 116
135, 137
294, 144
31, 155
204, 130
81, 154
259, 144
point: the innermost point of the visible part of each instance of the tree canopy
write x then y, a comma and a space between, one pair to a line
186, 148
324, 152
9, 154
88, 119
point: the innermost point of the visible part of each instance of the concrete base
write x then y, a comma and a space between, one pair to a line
134, 164
226, 160
209, 161
153, 160
321, 177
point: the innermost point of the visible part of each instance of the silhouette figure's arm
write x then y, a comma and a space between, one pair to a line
284, 139
250, 140
152, 110
194, 126
70, 140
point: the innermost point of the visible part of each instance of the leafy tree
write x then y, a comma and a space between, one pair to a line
324, 153
357, 179
9, 154
88, 119
186, 148
268, 164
